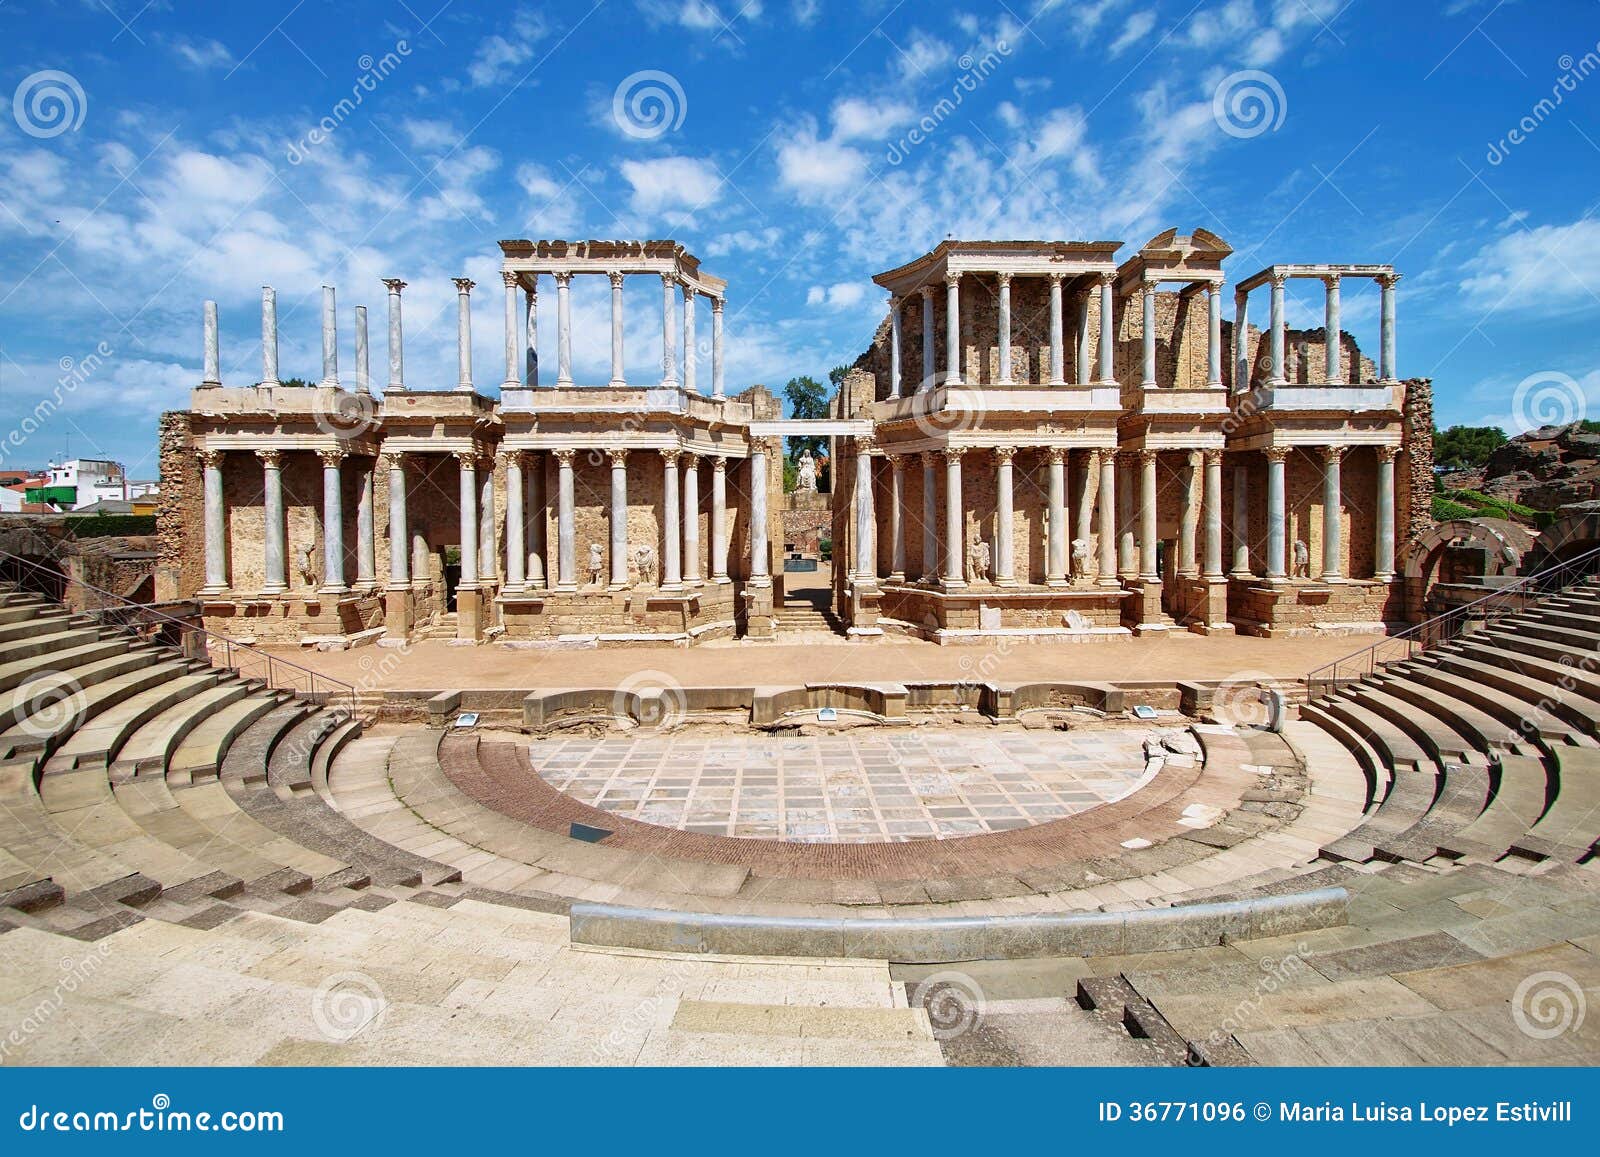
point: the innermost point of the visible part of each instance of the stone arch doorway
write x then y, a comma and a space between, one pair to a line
1501, 546
1571, 536
810, 557
31, 562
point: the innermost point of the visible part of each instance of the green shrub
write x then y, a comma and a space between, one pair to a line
111, 525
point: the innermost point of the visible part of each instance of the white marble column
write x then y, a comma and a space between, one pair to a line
563, 330
1147, 515
1332, 515
274, 577
1214, 336
1084, 370
619, 518
1147, 300
897, 521
1333, 359
718, 386
1004, 327
1383, 558
618, 379
330, 338
366, 530
669, 338
516, 523
468, 502
1088, 488
1386, 367
1212, 506
399, 532
1277, 514
928, 350
463, 332
954, 521
211, 357
866, 569
269, 336
894, 346
536, 533
952, 329
363, 361
513, 378
671, 529
719, 518
1108, 517
566, 522
1277, 318
1189, 516
332, 524
1241, 522
1108, 335
691, 518
1005, 570
1058, 352
1055, 551
488, 557
530, 354
930, 517
397, 374
1127, 536
1242, 375
760, 564
689, 352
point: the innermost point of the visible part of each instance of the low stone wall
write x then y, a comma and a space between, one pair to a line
987, 613
635, 615
946, 939
1356, 606
292, 619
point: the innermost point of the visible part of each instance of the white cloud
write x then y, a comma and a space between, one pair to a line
806, 12
1135, 29
855, 118
201, 54
1552, 266
667, 183
815, 169
499, 57
843, 295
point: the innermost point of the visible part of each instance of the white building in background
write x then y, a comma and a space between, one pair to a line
139, 488
91, 479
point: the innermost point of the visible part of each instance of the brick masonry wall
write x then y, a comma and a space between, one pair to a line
180, 512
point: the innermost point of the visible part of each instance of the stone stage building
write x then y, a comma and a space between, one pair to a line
1074, 448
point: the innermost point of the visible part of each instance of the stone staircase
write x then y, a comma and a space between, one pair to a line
808, 611
1483, 747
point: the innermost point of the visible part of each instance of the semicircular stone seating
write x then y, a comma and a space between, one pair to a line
242, 848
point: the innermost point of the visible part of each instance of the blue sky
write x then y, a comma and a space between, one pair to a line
161, 153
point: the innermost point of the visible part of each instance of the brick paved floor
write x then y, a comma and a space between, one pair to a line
848, 788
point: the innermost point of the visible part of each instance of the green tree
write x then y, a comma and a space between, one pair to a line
1463, 447
807, 398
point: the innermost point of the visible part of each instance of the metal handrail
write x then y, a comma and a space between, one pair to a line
1452, 623
276, 672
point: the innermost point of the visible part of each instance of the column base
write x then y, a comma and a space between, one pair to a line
1007, 581
953, 584
398, 612
469, 614
274, 590
210, 592
341, 589
1056, 580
